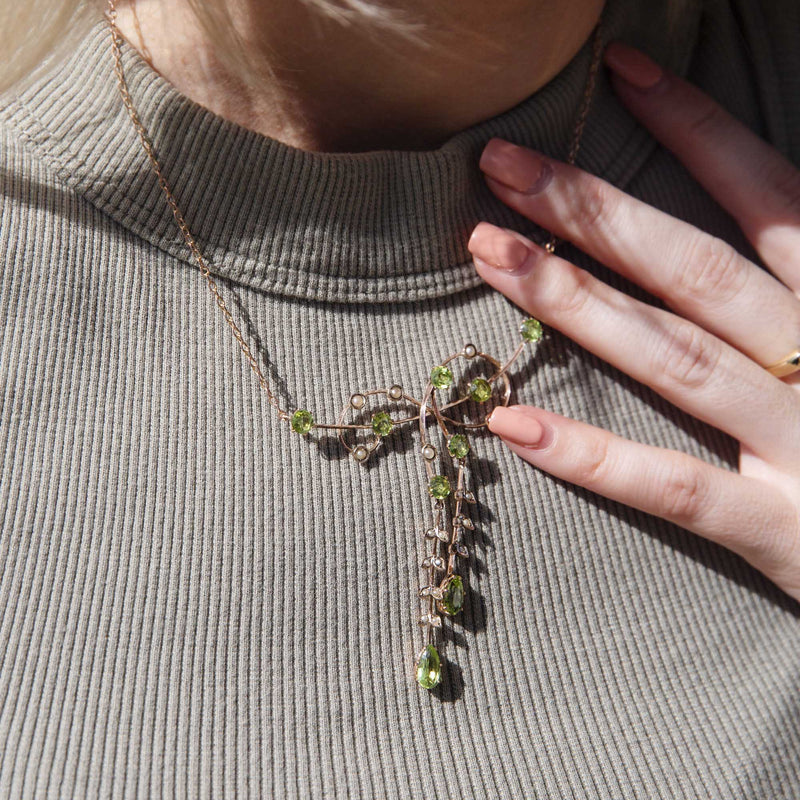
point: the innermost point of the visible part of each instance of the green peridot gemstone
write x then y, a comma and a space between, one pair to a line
531, 330
439, 487
480, 390
302, 421
441, 377
382, 423
429, 668
453, 597
458, 446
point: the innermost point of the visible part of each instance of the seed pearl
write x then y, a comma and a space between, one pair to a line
395, 392
357, 401
428, 452
470, 351
360, 453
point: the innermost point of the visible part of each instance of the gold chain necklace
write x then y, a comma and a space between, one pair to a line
444, 589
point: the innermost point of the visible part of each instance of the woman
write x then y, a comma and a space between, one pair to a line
198, 601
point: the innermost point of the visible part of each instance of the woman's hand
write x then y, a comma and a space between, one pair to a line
730, 319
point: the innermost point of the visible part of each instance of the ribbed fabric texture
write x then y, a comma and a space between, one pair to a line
196, 602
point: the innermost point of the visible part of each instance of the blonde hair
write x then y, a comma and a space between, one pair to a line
370, 15
33, 30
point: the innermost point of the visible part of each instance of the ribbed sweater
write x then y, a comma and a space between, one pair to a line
197, 602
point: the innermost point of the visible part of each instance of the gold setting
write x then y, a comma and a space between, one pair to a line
447, 539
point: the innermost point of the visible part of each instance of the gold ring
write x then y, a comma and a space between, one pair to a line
786, 366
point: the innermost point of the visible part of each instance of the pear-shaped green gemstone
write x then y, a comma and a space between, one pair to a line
441, 377
453, 596
480, 390
439, 487
457, 445
382, 423
302, 421
531, 330
429, 667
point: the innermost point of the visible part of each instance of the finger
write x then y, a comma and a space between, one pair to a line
745, 515
688, 366
703, 278
748, 177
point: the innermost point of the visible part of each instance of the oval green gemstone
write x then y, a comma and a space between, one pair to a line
457, 445
429, 667
441, 377
382, 423
531, 330
480, 390
302, 421
453, 598
439, 487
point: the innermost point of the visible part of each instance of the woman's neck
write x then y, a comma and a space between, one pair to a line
323, 86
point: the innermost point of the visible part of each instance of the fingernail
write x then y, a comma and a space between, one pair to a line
519, 425
633, 66
501, 249
516, 167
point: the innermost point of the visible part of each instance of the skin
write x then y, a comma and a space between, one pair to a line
308, 87
727, 319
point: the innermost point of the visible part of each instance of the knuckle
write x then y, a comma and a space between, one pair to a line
682, 494
789, 551
784, 184
690, 356
594, 205
777, 544
593, 464
709, 122
574, 292
713, 271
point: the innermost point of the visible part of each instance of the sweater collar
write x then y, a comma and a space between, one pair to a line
382, 226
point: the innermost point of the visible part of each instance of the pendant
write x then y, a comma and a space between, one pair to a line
443, 591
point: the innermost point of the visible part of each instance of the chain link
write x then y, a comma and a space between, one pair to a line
205, 270
583, 113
